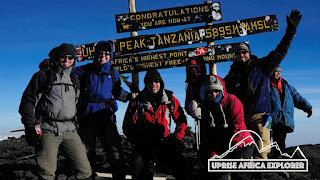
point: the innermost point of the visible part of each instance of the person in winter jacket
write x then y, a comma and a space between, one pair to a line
48, 110
196, 75
147, 124
222, 118
248, 79
284, 98
100, 87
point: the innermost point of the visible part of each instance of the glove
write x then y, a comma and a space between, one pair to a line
45, 65
149, 133
116, 89
195, 110
32, 137
309, 111
213, 154
293, 20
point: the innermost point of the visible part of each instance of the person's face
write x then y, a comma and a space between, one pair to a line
155, 86
67, 60
242, 55
277, 74
213, 93
104, 57
195, 71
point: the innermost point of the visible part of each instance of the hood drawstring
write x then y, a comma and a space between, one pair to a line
212, 124
225, 125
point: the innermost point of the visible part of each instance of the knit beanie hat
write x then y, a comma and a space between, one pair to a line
103, 46
195, 62
277, 69
67, 49
151, 75
213, 83
62, 50
243, 46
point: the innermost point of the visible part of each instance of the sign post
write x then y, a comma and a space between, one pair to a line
135, 75
212, 66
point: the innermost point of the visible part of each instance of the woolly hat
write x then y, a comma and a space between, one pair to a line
151, 75
103, 46
196, 62
277, 69
213, 83
62, 50
243, 46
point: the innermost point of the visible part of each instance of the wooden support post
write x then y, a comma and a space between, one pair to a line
212, 66
135, 75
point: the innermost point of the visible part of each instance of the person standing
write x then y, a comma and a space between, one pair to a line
248, 79
284, 98
100, 87
147, 124
48, 110
222, 118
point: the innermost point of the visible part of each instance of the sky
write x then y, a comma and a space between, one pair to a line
30, 29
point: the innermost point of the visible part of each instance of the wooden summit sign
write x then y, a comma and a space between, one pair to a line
207, 12
173, 58
196, 35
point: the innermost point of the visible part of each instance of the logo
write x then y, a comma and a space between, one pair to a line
285, 164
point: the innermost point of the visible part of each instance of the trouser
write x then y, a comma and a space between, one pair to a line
238, 153
255, 123
279, 136
47, 152
163, 153
110, 139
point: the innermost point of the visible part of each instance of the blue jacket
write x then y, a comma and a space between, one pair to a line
99, 88
250, 81
282, 115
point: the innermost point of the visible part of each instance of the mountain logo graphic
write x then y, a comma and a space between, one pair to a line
287, 164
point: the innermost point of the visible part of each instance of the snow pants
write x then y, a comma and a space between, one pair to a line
255, 123
47, 152
110, 139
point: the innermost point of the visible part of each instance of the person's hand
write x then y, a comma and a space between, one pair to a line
309, 111
294, 19
195, 110
32, 137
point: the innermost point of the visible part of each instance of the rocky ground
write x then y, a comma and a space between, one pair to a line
16, 161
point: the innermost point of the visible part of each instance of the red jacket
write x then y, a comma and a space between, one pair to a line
233, 110
216, 139
160, 115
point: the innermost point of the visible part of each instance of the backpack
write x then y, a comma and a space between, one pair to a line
50, 78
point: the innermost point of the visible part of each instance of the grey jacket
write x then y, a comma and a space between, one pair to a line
55, 106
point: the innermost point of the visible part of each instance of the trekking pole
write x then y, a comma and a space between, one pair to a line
197, 129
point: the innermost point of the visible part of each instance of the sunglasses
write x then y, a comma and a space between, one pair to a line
105, 52
212, 91
241, 52
67, 56
155, 81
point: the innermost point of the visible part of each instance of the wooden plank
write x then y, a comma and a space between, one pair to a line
173, 58
168, 17
195, 35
